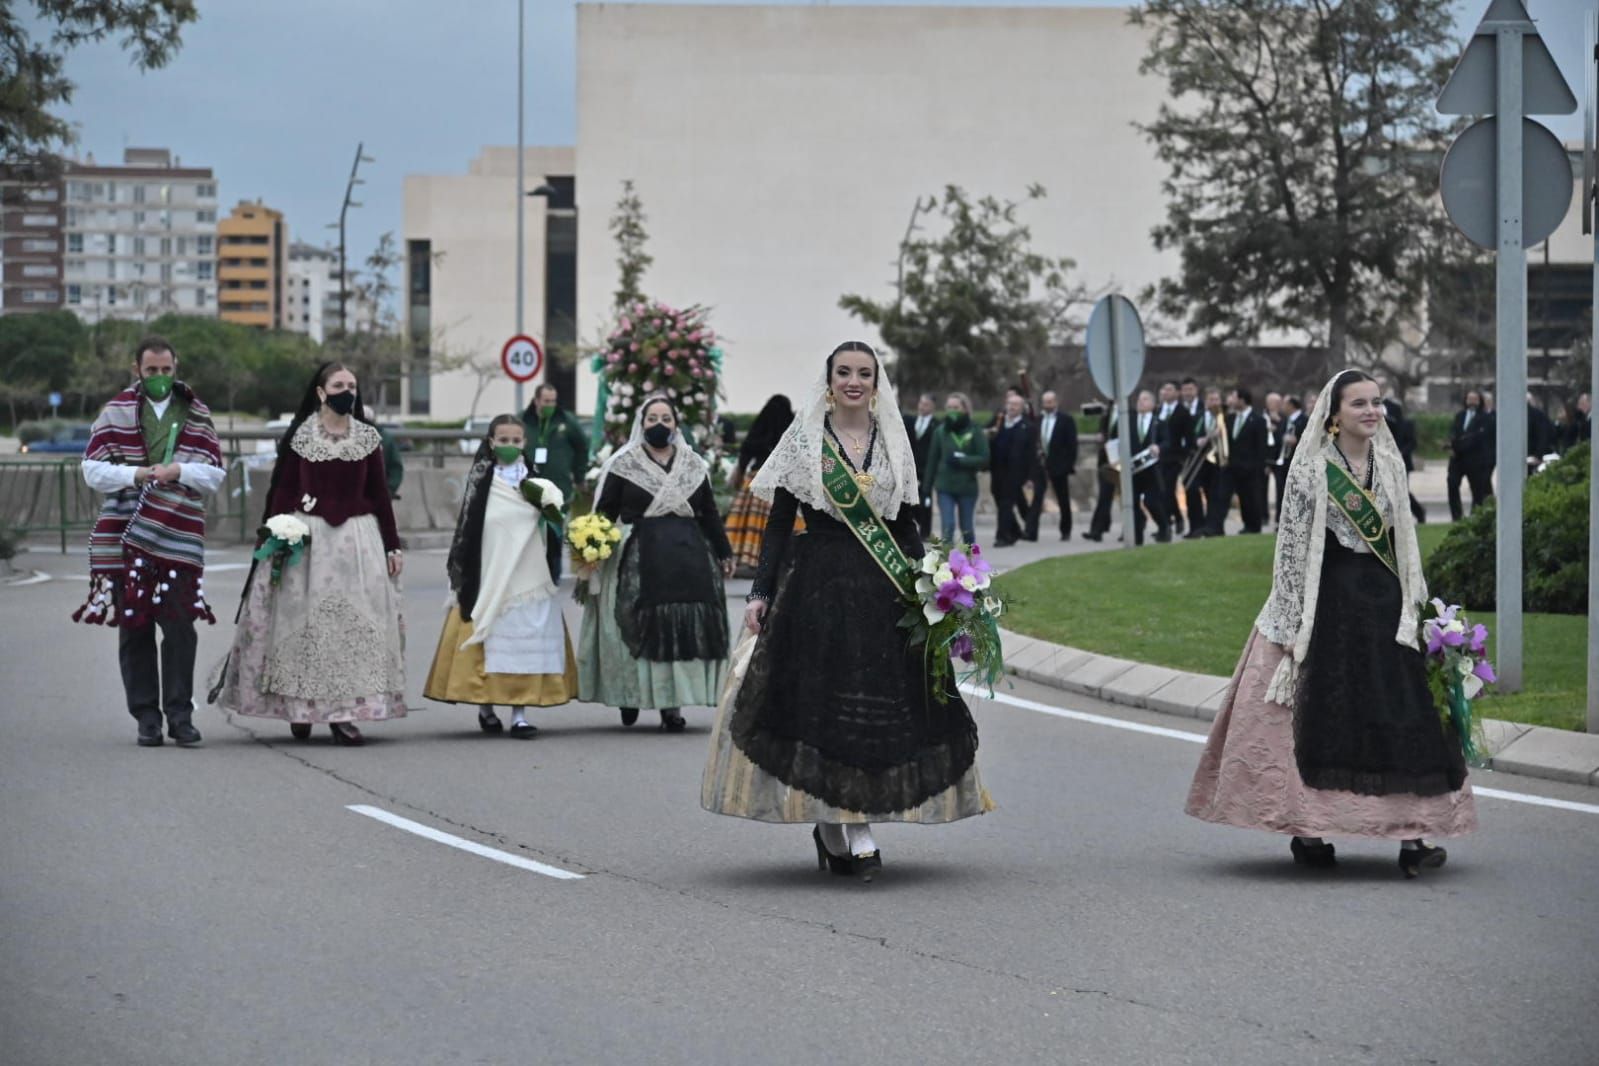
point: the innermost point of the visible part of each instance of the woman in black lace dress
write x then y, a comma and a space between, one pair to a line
829, 716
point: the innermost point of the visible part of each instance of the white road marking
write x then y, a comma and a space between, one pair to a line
39, 577
1199, 738
438, 837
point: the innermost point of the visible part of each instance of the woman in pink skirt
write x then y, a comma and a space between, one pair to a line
1329, 727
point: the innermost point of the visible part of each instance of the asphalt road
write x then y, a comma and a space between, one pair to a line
226, 905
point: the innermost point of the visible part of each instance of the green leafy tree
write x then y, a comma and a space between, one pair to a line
1297, 173
972, 301
627, 226
33, 82
36, 357
376, 349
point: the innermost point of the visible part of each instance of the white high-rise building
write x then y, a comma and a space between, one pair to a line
311, 298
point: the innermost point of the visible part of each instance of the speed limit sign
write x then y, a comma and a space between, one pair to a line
522, 358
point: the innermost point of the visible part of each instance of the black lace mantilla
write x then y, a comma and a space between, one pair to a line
1364, 718
835, 702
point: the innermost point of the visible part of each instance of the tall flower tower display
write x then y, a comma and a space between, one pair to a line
657, 348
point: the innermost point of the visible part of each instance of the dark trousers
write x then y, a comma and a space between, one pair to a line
152, 689
1171, 473
1033, 506
1010, 504
1480, 480
1149, 493
1099, 525
1249, 488
1279, 477
1062, 486
1199, 493
924, 520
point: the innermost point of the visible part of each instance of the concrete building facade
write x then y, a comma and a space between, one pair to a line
311, 291
139, 240
32, 242
252, 266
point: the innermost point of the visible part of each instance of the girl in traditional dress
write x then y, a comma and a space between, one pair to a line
327, 643
504, 640
1329, 727
829, 716
746, 518
655, 618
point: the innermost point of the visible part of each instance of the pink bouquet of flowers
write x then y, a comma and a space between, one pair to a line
954, 614
1457, 669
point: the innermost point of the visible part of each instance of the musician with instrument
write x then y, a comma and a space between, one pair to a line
1149, 437
1201, 473
1244, 474
1180, 443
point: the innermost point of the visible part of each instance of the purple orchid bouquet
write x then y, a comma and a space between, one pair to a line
954, 615
1457, 669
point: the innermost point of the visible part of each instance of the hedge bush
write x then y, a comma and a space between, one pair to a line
1554, 545
42, 429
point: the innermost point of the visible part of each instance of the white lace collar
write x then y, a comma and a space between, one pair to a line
315, 444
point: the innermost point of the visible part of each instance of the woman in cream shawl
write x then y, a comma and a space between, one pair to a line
504, 640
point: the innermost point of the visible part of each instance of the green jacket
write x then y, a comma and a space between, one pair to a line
566, 446
948, 473
393, 465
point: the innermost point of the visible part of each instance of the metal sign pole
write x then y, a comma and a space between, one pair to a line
521, 250
1591, 135
1512, 362
1124, 417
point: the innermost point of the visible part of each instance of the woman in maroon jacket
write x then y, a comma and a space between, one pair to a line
326, 642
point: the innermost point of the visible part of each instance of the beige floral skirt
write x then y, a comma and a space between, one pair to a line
328, 643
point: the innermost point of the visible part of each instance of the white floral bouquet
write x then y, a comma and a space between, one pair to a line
284, 539
955, 614
546, 498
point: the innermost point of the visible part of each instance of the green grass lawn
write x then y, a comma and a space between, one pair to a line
1190, 606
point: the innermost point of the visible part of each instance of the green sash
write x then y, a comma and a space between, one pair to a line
838, 481
1350, 497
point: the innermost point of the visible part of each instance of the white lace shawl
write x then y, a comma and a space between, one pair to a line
670, 490
1289, 614
796, 463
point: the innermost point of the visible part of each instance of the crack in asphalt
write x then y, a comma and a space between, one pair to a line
1034, 982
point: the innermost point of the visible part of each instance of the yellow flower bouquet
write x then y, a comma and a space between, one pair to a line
593, 538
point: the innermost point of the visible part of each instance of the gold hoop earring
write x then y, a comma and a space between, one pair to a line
874, 403
830, 401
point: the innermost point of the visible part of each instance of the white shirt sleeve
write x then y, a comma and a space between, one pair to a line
202, 477
107, 477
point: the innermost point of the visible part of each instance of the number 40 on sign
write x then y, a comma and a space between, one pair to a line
522, 358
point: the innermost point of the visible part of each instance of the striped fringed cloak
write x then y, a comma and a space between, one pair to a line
147, 550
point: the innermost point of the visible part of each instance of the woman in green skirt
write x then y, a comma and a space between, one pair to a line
655, 617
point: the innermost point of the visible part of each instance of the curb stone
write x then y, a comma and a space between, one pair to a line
1531, 751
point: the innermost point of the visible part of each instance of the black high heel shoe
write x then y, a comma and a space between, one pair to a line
300, 730
826, 860
1412, 860
865, 867
346, 734
1318, 855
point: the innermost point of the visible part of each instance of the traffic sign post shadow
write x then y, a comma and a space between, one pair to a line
1504, 196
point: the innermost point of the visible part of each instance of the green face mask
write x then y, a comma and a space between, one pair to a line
507, 453
158, 386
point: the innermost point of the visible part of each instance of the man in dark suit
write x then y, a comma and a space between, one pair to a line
1011, 458
1179, 431
1471, 454
1057, 446
919, 428
1149, 486
1404, 431
1579, 430
1244, 476
1542, 436
1198, 421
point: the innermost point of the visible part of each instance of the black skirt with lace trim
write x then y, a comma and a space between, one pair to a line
1364, 718
670, 602
835, 702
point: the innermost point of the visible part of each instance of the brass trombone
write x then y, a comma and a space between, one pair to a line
1213, 449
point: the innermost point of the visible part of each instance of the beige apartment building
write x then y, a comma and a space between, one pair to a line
252, 266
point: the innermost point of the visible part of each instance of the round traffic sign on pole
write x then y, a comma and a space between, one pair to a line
1115, 346
1469, 182
522, 358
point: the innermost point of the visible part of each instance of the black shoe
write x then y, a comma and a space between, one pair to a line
150, 740
629, 715
184, 734
826, 860
524, 730
865, 867
1412, 860
1193, 534
300, 730
1095, 537
1065, 536
1031, 538
1177, 527
346, 734
1320, 855
489, 722
1005, 543
672, 722
1162, 538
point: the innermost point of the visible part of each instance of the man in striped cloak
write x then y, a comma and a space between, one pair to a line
154, 454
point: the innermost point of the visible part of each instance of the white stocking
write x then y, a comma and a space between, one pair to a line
860, 839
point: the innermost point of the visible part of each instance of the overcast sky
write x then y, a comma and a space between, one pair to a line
274, 95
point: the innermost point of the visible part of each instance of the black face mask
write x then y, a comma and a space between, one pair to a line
658, 436
341, 403
959, 422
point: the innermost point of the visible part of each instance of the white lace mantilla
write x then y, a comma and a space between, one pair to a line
315, 444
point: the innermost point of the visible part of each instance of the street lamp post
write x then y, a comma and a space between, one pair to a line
521, 250
344, 210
